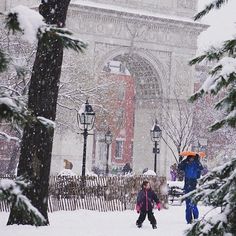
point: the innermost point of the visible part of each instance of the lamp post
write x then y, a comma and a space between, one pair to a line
85, 119
155, 133
108, 141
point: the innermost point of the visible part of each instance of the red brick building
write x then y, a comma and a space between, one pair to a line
120, 120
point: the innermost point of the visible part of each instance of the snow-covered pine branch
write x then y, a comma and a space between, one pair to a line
46, 122
222, 78
9, 138
13, 109
215, 4
12, 191
217, 189
33, 27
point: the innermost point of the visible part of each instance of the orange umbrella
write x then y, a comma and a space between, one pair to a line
187, 153
193, 154
202, 154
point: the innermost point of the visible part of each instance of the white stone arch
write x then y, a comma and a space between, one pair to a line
154, 62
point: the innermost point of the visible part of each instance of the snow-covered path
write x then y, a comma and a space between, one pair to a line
89, 223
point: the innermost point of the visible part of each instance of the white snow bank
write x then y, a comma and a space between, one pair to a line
67, 172
150, 173
90, 173
30, 21
179, 184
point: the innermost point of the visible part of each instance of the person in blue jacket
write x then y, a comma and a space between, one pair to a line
146, 200
192, 167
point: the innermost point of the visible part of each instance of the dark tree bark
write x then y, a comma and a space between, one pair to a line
13, 161
36, 147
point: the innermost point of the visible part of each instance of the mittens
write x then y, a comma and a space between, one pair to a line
158, 206
137, 208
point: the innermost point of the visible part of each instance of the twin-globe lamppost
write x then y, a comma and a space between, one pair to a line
85, 119
108, 141
156, 133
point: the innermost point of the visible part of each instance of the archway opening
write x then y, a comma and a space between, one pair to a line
133, 95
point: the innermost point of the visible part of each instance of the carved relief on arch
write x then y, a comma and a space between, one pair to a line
187, 4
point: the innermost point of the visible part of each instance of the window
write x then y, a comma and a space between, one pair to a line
119, 149
120, 114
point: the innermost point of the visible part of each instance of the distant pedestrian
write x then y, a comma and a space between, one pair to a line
192, 168
146, 201
173, 172
127, 169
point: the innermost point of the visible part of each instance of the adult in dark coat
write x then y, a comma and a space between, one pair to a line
146, 200
192, 169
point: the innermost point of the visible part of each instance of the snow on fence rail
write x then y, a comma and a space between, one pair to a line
116, 193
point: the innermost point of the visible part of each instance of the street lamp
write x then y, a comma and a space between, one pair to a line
85, 119
155, 133
108, 141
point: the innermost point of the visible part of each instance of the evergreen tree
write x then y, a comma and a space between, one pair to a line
218, 188
222, 76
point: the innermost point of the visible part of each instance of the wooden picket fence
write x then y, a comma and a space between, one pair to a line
117, 193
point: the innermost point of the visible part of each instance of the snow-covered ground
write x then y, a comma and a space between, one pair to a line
91, 223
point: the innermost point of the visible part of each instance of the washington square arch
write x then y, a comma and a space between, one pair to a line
153, 40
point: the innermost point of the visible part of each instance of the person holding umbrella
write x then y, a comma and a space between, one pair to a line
192, 167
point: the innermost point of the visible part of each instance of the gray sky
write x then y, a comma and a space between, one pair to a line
223, 24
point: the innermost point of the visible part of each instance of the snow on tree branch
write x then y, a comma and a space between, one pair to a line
33, 27
13, 109
46, 122
8, 137
215, 4
22, 18
222, 78
12, 191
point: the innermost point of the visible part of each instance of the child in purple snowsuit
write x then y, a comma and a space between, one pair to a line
146, 201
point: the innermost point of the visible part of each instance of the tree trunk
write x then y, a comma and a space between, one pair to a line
13, 161
36, 147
